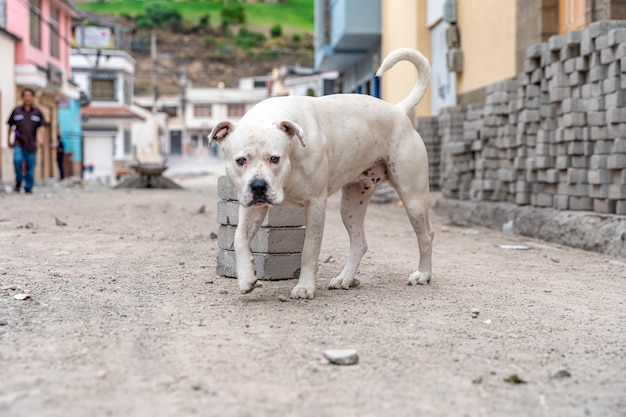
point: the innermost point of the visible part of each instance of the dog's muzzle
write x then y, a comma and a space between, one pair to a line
258, 191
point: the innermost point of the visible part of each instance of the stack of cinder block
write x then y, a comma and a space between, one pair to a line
427, 129
456, 158
276, 248
498, 135
554, 137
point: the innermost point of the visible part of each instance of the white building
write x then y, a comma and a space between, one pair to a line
116, 132
203, 108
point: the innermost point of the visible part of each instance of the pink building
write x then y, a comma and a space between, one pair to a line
42, 32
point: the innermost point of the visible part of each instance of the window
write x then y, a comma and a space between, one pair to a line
35, 28
103, 90
236, 110
202, 110
571, 15
54, 32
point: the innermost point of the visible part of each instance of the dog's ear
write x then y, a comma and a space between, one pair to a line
220, 131
291, 129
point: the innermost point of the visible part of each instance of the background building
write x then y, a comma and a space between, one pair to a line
40, 60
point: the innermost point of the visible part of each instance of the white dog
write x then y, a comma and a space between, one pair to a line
300, 150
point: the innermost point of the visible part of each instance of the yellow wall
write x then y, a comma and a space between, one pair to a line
487, 30
404, 25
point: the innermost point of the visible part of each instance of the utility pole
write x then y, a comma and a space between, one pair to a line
153, 82
183, 103
153, 56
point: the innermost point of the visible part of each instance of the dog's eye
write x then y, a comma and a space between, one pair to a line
274, 159
240, 161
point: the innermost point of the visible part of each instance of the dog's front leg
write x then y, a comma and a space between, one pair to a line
315, 217
250, 219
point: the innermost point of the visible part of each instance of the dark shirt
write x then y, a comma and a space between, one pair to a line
26, 124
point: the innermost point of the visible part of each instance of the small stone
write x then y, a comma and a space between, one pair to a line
59, 222
342, 356
562, 373
223, 291
101, 374
28, 225
9, 287
475, 313
213, 235
282, 298
21, 296
4, 321
201, 210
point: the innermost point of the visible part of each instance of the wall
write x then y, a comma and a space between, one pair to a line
19, 24
404, 25
487, 29
7, 102
555, 137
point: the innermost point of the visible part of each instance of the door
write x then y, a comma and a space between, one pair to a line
98, 156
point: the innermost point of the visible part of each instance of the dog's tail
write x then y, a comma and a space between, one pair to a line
423, 76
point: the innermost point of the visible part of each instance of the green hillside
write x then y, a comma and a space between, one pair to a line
292, 15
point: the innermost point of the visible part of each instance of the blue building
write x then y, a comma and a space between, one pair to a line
71, 132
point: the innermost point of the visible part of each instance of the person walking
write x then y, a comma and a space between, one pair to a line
25, 121
60, 156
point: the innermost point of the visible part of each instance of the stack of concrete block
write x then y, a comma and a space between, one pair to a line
277, 246
427, 128
495, 174
608, 49
457, 163
555, 136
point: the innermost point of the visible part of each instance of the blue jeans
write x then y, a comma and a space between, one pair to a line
19, 157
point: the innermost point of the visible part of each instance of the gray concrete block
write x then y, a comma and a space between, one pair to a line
602, 147
574, 119
267, 239
616, 161
620, 207
580, 203
268, 266
580, 161
616, 130
544, 200
617, 191
596, 118
561, 202
277, 216
599, 190
616, 99
576, 176
616, 37
607, 55
598, 176
225, 191
619, 145
597, 162
616, 115
602, 205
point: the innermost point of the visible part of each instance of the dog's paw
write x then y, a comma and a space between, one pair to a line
421, 278
341, 283
303, 292
248, 286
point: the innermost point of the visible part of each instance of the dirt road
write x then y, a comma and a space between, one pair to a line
126, 317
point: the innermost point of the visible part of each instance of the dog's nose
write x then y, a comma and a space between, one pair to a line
258, 187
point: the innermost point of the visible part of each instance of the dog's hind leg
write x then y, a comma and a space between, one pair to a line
250, 219
354, 200
409, 176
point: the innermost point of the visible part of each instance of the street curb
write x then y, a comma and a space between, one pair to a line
603, 233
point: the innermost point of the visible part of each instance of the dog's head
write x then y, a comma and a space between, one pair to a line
258, 158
